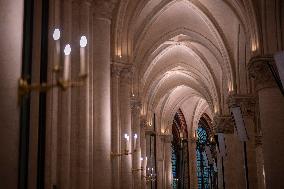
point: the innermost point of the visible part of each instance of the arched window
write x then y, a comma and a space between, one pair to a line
205, 150
202, 162
180, 159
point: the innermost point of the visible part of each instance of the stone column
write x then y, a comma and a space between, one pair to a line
102, 110
136, 163
220, 170
259, 162
84, 102
115, 126
64, 110
271, 111
125, 116
143, 124
234, 170
167, 161
52, 103
11, 23
247, 105
193, 164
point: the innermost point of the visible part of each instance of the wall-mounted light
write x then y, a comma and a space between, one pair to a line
194, 137
141, 168
126, 146
254, 46
135, 141
150, 175
63, 80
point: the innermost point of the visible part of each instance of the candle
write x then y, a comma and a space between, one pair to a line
83, 44
135, 141
67, 51
141, 162
56, 36
146, 159
126, 137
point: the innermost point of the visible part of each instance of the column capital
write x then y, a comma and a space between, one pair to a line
126, 74
135, 104
143, 122
124, 71
116, 70
259, 68
104, 8
223, 124
246, 102
166, 138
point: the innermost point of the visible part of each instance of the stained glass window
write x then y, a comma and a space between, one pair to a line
180, 159
203, 168
174, 168
202, 135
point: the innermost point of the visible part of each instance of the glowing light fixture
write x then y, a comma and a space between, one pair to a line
56, 34
67, 50
83, 41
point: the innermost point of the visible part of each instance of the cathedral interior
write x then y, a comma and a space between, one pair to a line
142, 94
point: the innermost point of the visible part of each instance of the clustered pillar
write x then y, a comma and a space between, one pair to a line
247, 105
125, 117
137, 162
102, 98
115, 130
271, 111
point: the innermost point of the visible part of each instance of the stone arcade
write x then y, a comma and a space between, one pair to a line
160, 94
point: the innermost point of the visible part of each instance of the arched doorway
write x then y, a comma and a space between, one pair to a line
180, 158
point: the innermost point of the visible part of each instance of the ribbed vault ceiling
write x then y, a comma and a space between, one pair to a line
183, 52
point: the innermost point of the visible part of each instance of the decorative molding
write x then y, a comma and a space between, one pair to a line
259, 68
104, 8
246, 102
223, 124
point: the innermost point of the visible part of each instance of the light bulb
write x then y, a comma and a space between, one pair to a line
135, 136
56, 34
83, 41
67, 50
